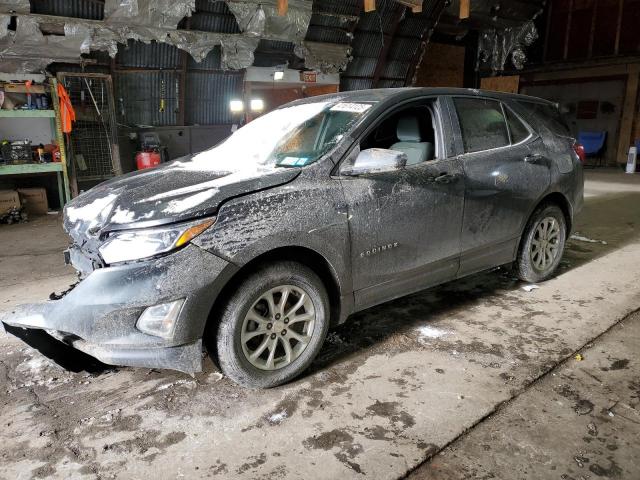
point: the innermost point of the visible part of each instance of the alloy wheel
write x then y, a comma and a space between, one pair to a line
278, 327
545, 244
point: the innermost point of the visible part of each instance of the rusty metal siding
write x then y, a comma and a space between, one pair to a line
208, 97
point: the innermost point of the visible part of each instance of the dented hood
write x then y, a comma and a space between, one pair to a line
177, 191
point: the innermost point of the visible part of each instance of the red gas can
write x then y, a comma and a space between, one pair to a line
147, 160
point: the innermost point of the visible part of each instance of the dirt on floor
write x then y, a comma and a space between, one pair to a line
582, 420
390, 389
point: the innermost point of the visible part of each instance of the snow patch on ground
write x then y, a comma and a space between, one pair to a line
278, 417
529, 288
428, 331
581, 238
184, 381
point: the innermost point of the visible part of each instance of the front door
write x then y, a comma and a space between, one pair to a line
405, 229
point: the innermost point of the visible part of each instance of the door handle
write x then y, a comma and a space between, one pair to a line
341, 207
446, 178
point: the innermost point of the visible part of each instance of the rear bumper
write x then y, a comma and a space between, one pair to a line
99, 315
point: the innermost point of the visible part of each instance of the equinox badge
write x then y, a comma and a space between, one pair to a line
377, 249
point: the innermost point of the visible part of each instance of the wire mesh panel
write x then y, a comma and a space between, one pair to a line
93, 142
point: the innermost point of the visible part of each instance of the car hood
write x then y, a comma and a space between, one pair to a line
177, 191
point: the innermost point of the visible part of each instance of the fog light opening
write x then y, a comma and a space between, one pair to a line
159, 320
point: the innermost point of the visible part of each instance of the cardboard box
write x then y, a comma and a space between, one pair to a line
8, 199
34, 200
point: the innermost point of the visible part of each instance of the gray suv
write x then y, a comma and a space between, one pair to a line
319, 209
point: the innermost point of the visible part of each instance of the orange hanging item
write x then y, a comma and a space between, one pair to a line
67, 113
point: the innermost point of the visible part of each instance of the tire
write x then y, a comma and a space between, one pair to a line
249, 322
535, 262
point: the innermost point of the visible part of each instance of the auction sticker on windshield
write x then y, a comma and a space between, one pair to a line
350, 107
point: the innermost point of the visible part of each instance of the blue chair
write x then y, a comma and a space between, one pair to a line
594, 145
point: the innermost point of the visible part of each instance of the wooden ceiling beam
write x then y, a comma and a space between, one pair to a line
465, 9
283, 6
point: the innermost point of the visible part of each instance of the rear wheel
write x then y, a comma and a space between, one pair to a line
542, 244
273, 326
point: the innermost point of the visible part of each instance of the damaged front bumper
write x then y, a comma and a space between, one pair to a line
100, 314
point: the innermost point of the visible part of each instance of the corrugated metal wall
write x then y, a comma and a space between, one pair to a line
377, 27
138, 96
151, 55
90, 9
208, 96
140, 70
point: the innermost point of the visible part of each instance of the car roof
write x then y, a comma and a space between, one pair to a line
386, 94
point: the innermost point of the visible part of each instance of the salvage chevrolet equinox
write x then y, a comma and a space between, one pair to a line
319, 209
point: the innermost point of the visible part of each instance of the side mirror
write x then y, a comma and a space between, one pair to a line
376, 160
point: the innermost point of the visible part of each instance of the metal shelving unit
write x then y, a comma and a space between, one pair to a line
59, 168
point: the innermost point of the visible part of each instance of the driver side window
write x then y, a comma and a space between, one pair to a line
410, 130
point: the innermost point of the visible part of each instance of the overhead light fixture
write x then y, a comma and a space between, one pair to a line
236, 106
257, 105
278, 75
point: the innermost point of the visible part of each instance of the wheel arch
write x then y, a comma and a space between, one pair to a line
304, 255
562, 201
554, 198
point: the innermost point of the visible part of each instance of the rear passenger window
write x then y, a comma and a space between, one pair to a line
549, 115
517, 129
482, 123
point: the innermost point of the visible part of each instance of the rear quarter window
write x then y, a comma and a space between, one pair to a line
519, 132
556, 135
548, 115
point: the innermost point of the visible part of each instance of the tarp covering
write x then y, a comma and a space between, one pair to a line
27, 49
495, 47
262, 19
326, 58
152, 13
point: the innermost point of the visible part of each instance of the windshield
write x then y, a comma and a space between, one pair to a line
288, 137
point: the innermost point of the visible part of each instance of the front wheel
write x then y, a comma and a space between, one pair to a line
542, 244
273, 325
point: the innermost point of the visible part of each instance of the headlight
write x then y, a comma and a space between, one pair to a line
148, 242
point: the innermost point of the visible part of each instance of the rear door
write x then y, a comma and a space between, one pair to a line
506, 172
405, 225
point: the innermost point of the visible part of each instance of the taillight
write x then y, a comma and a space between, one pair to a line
580, 152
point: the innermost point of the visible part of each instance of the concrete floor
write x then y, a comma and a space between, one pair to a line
473, 379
